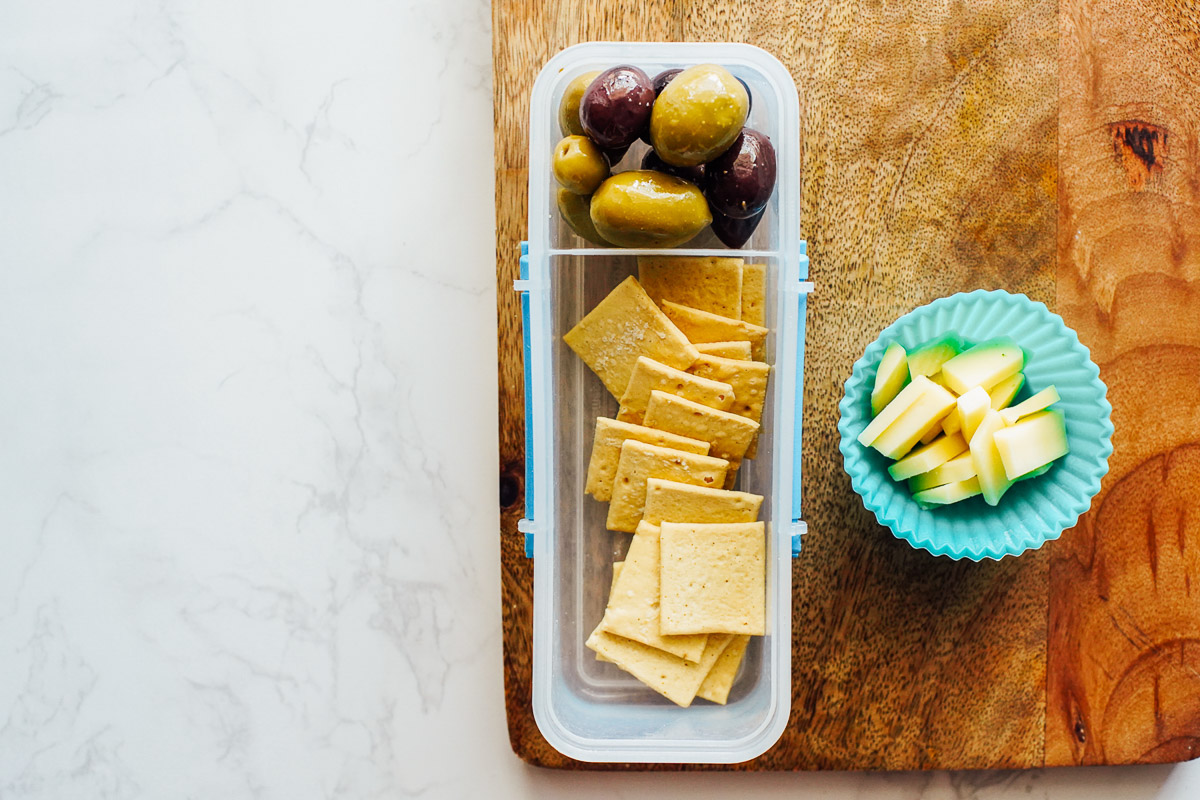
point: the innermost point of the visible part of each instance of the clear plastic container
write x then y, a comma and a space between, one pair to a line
587, 709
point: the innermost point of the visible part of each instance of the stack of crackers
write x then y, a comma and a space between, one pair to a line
682, 351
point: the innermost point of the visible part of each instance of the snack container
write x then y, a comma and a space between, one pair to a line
587, 709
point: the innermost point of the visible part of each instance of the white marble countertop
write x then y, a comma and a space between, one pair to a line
248, 417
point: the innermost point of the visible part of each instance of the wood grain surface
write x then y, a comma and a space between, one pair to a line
933, 136
1124, 650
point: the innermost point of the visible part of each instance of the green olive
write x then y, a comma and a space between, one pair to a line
579, 165
576, 212
644, 208
698, 115
568, 108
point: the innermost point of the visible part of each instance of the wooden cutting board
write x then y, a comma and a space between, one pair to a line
1051, 149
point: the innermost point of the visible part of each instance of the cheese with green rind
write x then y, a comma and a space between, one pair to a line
890, 377
956, 469
1043, 399
1002, 393
993, 479
985, 365
948, 493
972, 407
907, 397
928, 358
1032, 442
928, 457
916, 421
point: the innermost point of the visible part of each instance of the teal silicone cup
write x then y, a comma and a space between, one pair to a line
1032, 512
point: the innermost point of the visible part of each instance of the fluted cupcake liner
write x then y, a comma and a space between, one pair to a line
1032, 512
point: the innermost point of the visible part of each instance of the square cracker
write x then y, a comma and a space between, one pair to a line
719, 679
639, 462
729, 434
649, 375
674, 678
714, 578
632, 609
701, 326
749, 382
710, 283
735, 350
606, 451
623, 326
670, 501
754, 294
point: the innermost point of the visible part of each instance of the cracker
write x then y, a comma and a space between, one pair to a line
735, 350
672, 677
719, 679
639, 462
670, 501
606, 451
623, 326
649, 375
749, 382
729, 434
701, 326
632, 609
710, 283
754, 294
713, 578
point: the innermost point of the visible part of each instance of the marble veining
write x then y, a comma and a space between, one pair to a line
247, 417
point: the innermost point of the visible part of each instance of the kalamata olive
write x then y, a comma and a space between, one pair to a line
568, 107
698, 115
578, 165
614, 156
694, 174
662, 79
616, 107
735, 232
643, 208
738, 183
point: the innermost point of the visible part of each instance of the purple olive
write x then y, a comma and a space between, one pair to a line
614, 156
616, 107
693, 174
662, 79
738, 183
735, 232
659, 83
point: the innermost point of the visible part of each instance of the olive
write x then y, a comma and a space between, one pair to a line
749, 97
643, 208
578, 165
568, 108
693, 174
616, 107
576, 212
662, 79
735, 232
698, 115
614, 156
738, 183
